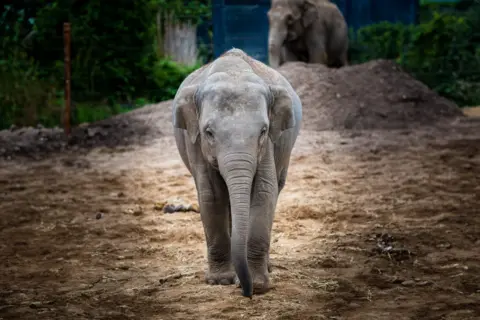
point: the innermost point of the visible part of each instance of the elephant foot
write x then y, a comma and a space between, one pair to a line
223, 277
261, 282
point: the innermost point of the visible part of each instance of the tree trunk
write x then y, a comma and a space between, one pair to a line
177, 40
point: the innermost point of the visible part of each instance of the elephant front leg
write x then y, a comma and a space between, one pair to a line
265, 193
261, 220
214, 212
288, 55
316, 49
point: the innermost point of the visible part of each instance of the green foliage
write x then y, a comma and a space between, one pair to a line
91, 112
25, 96
193, 11
442, 55
386, 40
113, 58
111, 49
443, 52
167, 76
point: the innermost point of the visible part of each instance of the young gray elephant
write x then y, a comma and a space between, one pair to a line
312, 31
236, 121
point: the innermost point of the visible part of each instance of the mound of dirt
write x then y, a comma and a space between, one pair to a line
136, 127
373, 95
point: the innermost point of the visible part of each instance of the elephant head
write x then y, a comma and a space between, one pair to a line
288, 20
231, 121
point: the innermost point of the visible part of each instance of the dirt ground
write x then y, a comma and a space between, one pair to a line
372, 224
473, 112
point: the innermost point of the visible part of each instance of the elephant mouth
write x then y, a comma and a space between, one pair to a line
214, 163
212, 160
291, 36
298, 47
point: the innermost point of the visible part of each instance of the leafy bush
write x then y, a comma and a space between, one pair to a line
167, 76
443, 52
91, 112
443, 55
112, 50
383, 40
115, 67
25, 98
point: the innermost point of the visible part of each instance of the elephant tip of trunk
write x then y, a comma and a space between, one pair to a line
247, 291
245, 279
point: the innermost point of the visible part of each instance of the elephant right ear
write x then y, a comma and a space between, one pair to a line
185, 114
310, 14
281, 113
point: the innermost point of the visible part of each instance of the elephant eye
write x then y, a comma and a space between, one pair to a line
289, 20
209, 133
263, 132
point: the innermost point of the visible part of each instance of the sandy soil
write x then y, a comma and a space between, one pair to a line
473, 112
371, 225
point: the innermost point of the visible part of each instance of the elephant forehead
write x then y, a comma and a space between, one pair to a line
230, 97
240, 125
280, 3
277, 12
238, 110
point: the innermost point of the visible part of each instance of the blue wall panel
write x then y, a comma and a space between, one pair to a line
394, 11
243, 24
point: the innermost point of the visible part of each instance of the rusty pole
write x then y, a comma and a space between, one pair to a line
67, 111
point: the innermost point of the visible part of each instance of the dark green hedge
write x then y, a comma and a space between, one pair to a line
114, 62
443, 52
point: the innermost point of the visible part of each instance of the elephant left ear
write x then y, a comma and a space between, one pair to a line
281, 112
185, 114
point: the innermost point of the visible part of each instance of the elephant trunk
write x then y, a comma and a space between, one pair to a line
237, 169
276, 39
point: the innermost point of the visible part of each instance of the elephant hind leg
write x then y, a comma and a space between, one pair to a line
339, 61
344, 59
336, 63
269, 264
229, 220
288, 55
317, 56
316, 49
282, 179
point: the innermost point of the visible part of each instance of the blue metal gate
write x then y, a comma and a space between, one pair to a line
360, 13
243, 24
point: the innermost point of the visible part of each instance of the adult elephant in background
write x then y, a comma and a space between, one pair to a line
312, 31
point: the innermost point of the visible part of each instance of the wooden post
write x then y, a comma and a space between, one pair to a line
159, 34
67, 110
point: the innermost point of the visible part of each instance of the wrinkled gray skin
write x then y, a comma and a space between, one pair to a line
312, 31
235, 123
